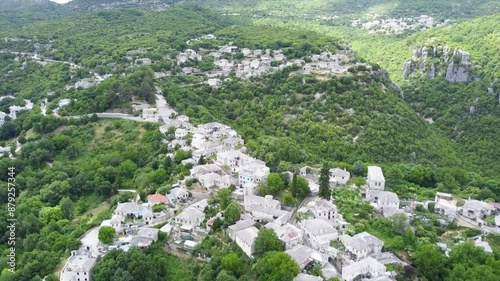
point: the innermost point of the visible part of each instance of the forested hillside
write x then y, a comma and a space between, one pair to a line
427, 134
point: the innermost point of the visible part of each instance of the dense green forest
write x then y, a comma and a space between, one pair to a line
68, 168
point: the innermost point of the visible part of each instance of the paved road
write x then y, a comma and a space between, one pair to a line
90, 240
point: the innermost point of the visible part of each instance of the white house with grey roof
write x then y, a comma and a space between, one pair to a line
323, 209
254, 172
375, 178
289, 234
2, 117
477, 210
180, 133
340, 176
367, 267
79, 266
179, 193
249, 188
362, 244
233, 159
245, 238
208, 180
304, 255
190, 216
252, 201
445, 205
265, 214
239, 225
382, 200
319, 233
135, 210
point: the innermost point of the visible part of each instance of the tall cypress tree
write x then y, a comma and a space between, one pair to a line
324, 182
293, 185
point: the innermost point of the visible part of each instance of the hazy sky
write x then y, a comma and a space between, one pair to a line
61, 1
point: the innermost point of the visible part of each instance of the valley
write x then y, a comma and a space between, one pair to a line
261, 140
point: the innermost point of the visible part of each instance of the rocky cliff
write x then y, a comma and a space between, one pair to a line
439, 61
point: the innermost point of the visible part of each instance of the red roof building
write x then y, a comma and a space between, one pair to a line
157, 198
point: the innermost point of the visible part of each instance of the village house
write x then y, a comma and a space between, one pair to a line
181, 144
445, 205
233, 142
367, 267
134, 210
200, 205
362, 244
477, 210
303, 256
255, 172
208, 180
190, 216
144, 237
245, 238
201, 170
250, 188
246, 52
289, 234
266, 214
225, 181
116, 222
228, 49
252, 201
382, 200
233, 159
319, 233
181, 133
323, 209
157, 198
214, 82
225, 132
340, 176
79, 266
2, 117
375, 178
179, 193
239, 225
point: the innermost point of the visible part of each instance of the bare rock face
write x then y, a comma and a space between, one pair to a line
439, 61
457, 73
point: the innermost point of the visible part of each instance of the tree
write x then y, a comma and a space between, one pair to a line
272, 186
202, 160
232, 262
51, 214
399, 224
180, 155
287, 199
232, 213
430, 262
224, 197
324, 182
127, 169
293, 186
106, 234
276, 266
267, 241
224, 276
467, 254
302, 187
358, 168
67, 207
